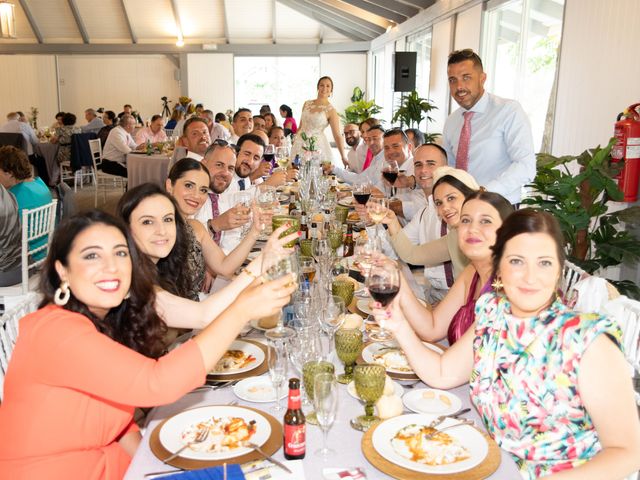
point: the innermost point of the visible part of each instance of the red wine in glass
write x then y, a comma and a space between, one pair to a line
362, 198
384, 293
390, 177
271, 158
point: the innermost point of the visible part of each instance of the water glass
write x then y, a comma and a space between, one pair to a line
278, 369
309, 372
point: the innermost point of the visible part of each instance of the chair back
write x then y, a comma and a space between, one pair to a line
14, 140
80, 153
37, 223
9, 323
169, 132
571, 275
96, 152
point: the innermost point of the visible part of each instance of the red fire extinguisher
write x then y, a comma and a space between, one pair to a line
627, 149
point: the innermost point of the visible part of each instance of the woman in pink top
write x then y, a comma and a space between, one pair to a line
93, 352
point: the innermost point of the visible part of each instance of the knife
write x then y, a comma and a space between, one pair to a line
269, 457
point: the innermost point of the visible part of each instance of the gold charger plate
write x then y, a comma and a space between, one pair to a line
485, 468
271, 446
259, 370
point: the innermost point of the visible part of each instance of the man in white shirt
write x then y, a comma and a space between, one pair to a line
94, 122
242, 124
14, 125
195, 137
352, 138
154, 133
119, 143
215, 129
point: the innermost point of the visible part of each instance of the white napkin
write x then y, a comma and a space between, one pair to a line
273, 472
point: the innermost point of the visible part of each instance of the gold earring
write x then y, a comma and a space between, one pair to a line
62, 295
497, 284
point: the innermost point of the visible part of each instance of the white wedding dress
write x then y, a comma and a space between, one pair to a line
313, 122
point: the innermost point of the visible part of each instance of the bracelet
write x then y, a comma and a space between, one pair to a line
250, 273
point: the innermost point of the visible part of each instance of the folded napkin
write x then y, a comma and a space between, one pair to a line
234, 472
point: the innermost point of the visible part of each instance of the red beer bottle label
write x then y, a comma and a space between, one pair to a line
295, 439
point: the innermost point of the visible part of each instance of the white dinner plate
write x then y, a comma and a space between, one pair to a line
257, 389
432, 401
172, 431
346, 202
466, 435
248, 349
375, 348
351, 389
363, 305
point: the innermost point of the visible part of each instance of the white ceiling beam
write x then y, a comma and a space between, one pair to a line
421, 3
357, 13
226, 21
357, 23
273, 21
134, 38
176, 16
32, 21
377, 10
80, 24
395, 6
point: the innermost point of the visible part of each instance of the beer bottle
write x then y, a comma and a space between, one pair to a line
304, 228
348, 242
295, 429
292, 204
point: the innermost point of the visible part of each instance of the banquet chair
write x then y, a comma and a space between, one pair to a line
571, 275
101, 178
37, 223
9, 323
168, 132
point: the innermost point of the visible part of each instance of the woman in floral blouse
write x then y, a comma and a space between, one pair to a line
551, 385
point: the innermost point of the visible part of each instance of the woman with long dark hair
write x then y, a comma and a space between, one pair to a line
289, 123
91, 353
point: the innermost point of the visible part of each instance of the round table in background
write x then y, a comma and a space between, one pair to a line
142, 168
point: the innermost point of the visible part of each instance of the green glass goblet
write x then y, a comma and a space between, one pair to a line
343, 289
369, 379
335, 237
279, 220
341, 213
306, 247
348, 348
309, 372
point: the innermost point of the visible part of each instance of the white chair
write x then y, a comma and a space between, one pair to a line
169, 132
37, 223
78, 176
101, 178
9, 323
571, 275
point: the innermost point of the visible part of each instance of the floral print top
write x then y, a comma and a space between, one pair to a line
525, 383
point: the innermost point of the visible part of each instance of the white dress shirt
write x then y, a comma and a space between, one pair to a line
118, 144
218, 131
373, 174
356, 156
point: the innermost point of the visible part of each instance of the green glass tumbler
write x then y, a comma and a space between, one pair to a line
309, 372
343, 289
279, 220
341, 213
306, 247
348, 347
369, 380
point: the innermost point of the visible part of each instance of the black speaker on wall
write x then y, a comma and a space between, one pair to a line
405, 72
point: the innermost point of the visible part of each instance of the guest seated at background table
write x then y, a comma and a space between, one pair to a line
188, 183
551, 385
10, 239
93, 352
119, 144
62, 137
128, 110
277, 137
109, 118
176, 116
216, 130
270, 121
16, 175
58, 123
15, 125
94, 122
161, 234
154, 133
482, 214
195, 138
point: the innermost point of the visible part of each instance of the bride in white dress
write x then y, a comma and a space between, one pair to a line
316, 115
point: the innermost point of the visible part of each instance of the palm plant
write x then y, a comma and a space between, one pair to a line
412, 111
360, 109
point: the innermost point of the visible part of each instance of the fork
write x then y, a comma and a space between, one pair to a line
202, 435
467, 421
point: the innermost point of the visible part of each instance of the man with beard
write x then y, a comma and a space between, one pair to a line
488, 136
352, 138
195, 137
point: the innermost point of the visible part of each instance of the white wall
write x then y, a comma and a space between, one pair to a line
599, 72
441, 39
110, 81
347, 70
210, 80
28, 81
469, 28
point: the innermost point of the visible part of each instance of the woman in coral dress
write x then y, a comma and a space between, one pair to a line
93, 352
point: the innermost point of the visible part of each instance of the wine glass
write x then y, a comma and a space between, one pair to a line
278, 367
243, 199
282, 156
332, 318
361, 194
390, 172
369, 380
377, 209
383, 284
325, 400
309, 372
275, 266
348, 349
269, 154
266, 199
322, 254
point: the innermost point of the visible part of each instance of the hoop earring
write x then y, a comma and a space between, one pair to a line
62, 295
497, 284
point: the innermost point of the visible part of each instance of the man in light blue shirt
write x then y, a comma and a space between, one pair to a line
499, 153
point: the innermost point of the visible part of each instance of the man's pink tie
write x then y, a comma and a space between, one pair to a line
462, 157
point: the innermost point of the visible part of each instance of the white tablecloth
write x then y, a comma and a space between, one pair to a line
142, 168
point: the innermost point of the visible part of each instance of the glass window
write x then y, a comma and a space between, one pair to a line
520, 48
421, 43
274, 81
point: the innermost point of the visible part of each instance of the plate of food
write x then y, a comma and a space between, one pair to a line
409, 442
228, 431
257, 389
346, 202
239, 358
391, 356
432, 401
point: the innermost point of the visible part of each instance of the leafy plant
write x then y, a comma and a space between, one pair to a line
360, 109
412, 111
310, 142
593, 235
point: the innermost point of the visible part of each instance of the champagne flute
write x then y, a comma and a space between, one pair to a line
383, 284
309, 372
331, 318
377, 209
273, 267
278, 367
325, 401
266, 198
390, 172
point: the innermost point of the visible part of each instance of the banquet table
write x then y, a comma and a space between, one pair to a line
342, 438
49, 151
142, 168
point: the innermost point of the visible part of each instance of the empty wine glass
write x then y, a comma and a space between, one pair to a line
275, 266
383, 284
325, 400
278, 368
266, 198
331, 318
243, 199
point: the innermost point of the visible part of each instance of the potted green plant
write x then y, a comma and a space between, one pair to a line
412, 111
360, 109
593, 234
